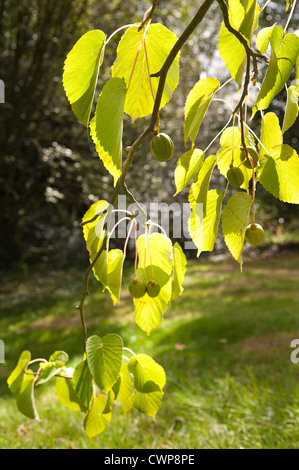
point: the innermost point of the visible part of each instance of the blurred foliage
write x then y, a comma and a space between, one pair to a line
50, 173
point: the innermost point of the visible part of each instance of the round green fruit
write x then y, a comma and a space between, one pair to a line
162, 147
137, 288
254, 155
254, 234
153, 289
235, 177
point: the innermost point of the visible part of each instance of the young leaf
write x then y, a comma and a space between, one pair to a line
187, 168
291, 111
279, 173
203, 229
179, 271
104, 358
197, 104
98, 417
107, 125
136, 59
234, 223
284, 51
81, 71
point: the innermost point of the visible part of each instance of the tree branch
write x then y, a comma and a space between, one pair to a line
249, 54
162, 74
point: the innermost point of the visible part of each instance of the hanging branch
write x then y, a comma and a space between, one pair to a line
162, 74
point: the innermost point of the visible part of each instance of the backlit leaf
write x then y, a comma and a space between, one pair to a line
97, 417
203, 229
234, 223
104, 358
197, 104
134, 56
107, 125
284, 51
179, 271
187, 168
81, 71
149, 380
271, 134
279, 173
155, 260
230, 150
291, 111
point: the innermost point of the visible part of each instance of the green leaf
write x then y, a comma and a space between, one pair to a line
284, 51
126, 389
149, 380
263, 38
291, 111
16, 378
234, 223
155, 258
187, 168
81, 71
146, 371
243, 17
133, 55
21, 384
288, 4
148, 403
199, 190
107, 125
104, 358
67, 395
197, 104
93, 231
25, 396
60, 356
48, 371
271, 134
179, 271
82, 382
279, 173
108, 270
51, 368
203, 229
97, 417
230, 142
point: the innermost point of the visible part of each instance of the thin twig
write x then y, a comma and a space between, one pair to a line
148, 17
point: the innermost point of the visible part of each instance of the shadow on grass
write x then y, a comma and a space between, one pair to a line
217, 325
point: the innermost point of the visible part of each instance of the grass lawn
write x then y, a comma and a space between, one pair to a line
225, 347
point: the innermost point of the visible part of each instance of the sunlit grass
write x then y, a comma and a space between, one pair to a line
225, 346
